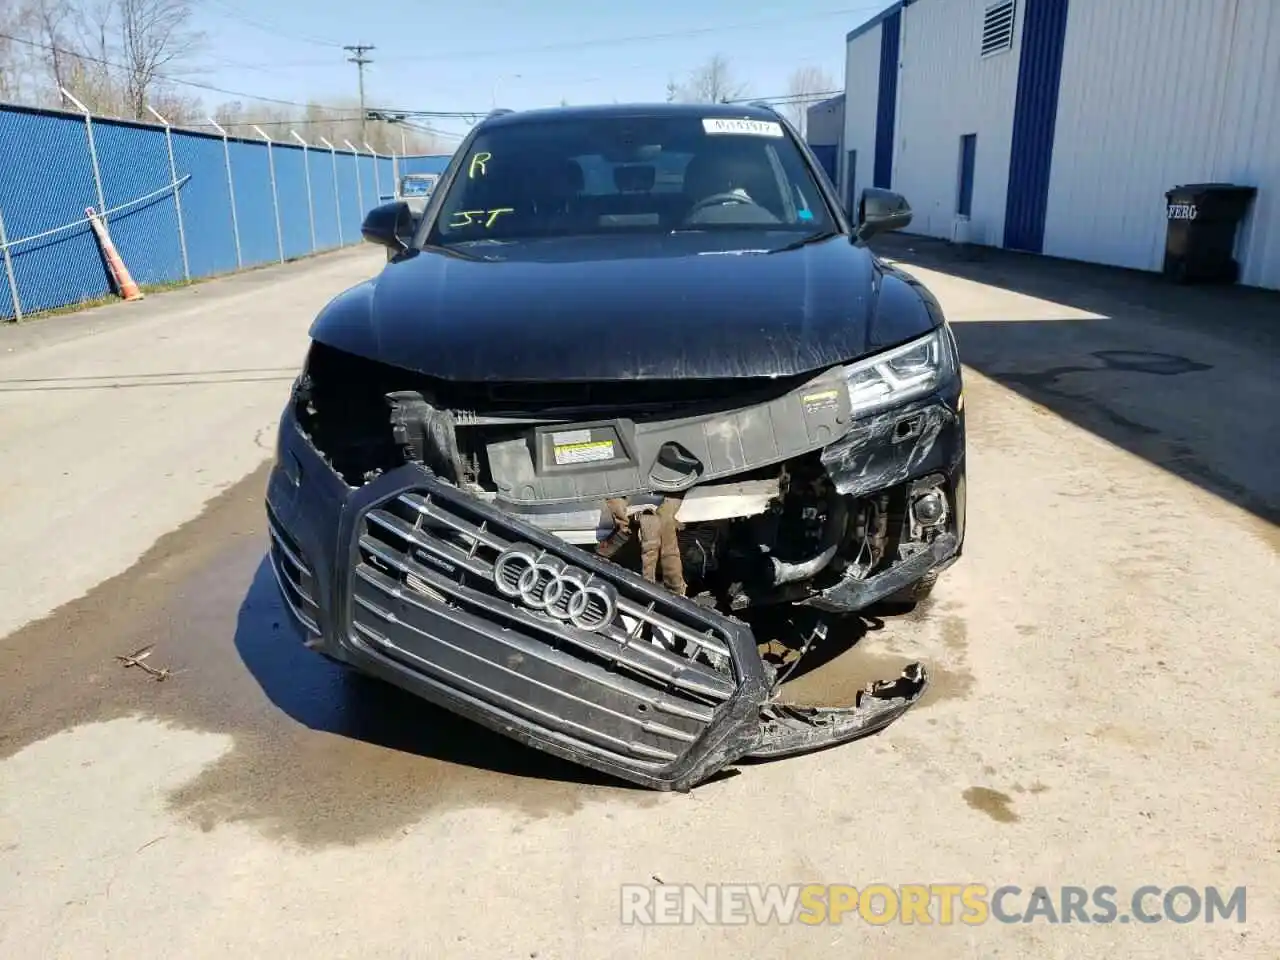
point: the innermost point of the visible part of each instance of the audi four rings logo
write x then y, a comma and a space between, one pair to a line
547, 584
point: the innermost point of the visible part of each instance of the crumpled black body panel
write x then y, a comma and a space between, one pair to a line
637, 308
396, 579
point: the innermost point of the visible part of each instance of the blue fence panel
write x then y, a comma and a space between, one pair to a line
370, 183
135, 164
323, 199
380, 182
291, 190
47, 182
352, 215
368, 189
206, 204
386, 179
434, 163
252, 175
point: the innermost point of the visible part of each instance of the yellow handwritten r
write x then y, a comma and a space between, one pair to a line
479, 160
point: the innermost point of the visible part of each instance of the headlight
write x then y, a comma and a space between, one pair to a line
901, 374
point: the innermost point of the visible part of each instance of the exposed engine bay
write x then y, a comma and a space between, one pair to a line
594, 568
800, 529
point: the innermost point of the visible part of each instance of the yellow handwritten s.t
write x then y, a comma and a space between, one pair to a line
465, 218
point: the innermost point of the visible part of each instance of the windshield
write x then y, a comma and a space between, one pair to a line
630, 174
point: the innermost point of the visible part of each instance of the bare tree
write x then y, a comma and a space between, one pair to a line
13, 20
713, 82
84, 44
803, 90
72, 50
49, 21
114, 55
121, 56
154, 34
175, 106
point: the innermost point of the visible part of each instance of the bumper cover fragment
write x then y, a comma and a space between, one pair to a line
787, 730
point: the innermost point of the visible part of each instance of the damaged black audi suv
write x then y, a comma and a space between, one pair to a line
629, 383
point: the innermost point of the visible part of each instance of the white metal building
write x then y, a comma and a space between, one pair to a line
1058, 125
824, 132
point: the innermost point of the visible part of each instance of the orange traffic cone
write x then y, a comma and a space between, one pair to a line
125, 287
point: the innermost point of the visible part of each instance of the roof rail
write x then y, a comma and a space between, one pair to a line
498, 112
763, 104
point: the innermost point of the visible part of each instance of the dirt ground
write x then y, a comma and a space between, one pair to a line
1106, 687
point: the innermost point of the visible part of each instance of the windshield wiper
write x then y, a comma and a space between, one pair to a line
805, 241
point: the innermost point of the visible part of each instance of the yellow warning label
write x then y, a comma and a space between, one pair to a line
820, 396
822, 400
589, 452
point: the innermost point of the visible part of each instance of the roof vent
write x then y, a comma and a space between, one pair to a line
997, 28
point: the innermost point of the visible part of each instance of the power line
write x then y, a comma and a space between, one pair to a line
303, 122
442, 134
470, 115
789, 98
358, 57
386, 113
616, 41
167, 78
234, 13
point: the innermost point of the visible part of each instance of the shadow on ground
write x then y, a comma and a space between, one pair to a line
328, 697
1181, 376
795, 650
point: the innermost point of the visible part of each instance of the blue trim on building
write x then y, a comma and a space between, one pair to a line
968, 163
887, 100
879, 18
1035, 116
827, 154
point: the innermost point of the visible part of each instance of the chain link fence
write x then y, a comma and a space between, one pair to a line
179, 205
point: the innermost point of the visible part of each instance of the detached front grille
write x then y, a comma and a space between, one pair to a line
501, 614
297, 582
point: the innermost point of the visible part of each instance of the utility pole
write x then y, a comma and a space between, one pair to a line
359, 59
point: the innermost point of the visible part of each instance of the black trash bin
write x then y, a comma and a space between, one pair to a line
1201, 236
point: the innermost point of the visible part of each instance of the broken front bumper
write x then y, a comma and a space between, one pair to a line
401, 579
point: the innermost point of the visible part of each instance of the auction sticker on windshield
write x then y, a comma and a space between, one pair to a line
754, 128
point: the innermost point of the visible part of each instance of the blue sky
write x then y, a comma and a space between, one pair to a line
461, 57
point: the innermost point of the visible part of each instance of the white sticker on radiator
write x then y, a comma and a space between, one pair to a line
571, 436
752, 128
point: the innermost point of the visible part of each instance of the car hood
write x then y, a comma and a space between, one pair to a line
700, 305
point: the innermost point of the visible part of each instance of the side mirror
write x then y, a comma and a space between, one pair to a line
389, 225
880, 211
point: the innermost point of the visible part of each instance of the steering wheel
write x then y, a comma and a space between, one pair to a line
718, 198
